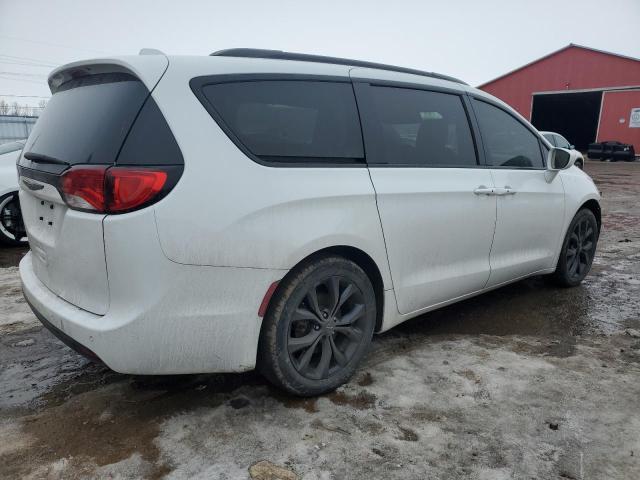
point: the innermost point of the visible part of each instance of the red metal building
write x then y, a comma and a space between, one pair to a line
585, 94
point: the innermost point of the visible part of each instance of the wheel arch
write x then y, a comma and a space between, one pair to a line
360, 258
594, 206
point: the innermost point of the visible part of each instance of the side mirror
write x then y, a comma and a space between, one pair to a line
559, 159
572, 147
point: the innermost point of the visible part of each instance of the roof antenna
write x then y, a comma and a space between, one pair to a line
150, 51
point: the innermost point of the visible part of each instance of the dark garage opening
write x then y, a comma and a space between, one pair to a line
573, 115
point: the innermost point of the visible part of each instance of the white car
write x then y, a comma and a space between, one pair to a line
557, 140
273, 210
11, 226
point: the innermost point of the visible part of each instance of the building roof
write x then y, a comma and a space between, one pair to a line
555, 52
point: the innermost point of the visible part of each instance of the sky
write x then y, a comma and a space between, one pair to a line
475, 41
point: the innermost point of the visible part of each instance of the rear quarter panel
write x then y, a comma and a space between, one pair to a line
228, 210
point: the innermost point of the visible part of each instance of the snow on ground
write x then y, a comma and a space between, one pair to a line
486, 407
14, 310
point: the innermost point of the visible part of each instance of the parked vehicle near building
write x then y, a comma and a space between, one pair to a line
260, 208
588, 94
557, 140
12, 230
613, 151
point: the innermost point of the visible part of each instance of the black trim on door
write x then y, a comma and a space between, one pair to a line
401, 84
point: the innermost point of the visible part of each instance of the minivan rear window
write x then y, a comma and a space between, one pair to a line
88, 118
290, 121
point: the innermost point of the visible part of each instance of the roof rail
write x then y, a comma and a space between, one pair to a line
303, 57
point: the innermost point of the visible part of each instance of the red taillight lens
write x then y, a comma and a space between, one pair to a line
104, 189
83, 188
130, 188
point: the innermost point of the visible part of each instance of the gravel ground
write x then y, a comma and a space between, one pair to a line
528, 381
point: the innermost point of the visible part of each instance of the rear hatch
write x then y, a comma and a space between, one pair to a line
86, 122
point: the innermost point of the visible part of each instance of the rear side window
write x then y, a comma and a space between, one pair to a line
150, 141
87, 120
507, 142
290, 120
420, 127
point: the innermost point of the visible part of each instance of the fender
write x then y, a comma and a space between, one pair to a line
579, 189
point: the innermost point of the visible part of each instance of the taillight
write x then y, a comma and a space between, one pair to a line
129, 188
83, 188
104, 189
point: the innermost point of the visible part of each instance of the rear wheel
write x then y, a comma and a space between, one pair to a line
12, 231
578, 249
318, 326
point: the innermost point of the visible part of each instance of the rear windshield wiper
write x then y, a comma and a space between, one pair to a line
39, 158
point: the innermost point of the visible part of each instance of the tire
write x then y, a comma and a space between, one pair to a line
334, 344
581, 238
12, 232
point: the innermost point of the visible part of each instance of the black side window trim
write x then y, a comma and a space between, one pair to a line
409, 85
366, 110
197, 85
535, 133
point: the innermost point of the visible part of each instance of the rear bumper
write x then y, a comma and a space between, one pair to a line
200, 319
63, 337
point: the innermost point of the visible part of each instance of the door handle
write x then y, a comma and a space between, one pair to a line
506, 190
482, 190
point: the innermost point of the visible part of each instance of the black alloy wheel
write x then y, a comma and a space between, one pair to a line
318, 326
582, 244
326, 328
12, 231
578, 249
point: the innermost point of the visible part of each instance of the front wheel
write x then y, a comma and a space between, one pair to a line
12, 231
318, 326
578, 249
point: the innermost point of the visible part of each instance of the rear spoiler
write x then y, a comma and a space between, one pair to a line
149, 68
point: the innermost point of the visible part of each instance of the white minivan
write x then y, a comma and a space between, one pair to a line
258, 208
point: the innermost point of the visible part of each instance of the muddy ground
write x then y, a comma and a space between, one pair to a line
528, 381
